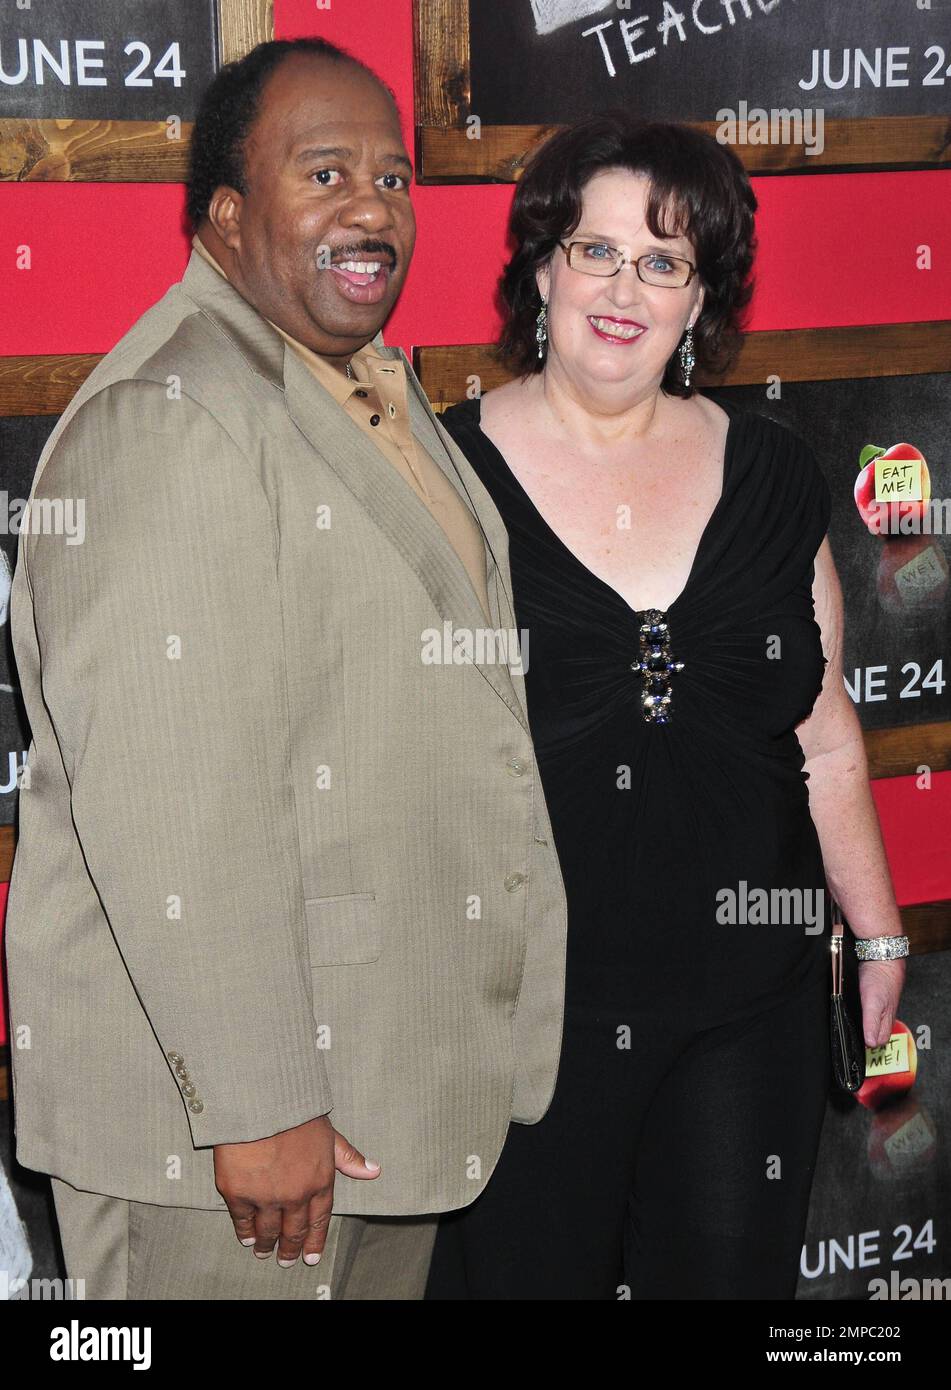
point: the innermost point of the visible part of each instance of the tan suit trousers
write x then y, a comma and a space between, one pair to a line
137, 1250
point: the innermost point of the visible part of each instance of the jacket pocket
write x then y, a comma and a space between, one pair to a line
343, 930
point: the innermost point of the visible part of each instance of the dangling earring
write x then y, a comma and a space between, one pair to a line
541, 328
687, 358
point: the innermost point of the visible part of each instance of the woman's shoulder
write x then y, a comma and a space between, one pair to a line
757, 427
494, 405
461, 415
796, 476
761, 423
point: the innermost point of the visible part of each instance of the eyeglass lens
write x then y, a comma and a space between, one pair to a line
597, 258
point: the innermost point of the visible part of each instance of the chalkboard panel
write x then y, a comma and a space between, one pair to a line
139, 61
684, 72
92, 89
897, 650
879, 1210
801, 84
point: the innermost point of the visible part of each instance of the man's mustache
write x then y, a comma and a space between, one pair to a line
369, 250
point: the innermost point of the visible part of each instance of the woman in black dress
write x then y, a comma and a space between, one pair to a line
683, 619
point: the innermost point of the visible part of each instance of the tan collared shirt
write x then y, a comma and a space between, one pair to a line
376, 400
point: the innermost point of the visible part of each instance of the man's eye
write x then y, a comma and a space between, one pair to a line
397, 181
323, 176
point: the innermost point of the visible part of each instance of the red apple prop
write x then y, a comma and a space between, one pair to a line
904, 489
890, 1070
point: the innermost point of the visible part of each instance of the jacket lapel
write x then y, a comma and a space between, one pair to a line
391, 503
385, 496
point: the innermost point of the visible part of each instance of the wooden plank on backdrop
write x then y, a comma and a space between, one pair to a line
7, 848
803, 354
42, 385
448, 155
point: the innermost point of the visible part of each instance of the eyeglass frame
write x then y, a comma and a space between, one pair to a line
635, 262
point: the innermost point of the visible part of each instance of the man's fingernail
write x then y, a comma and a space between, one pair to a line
248, 1240
370, 1163
286, 1264
311, 1259
259, 1256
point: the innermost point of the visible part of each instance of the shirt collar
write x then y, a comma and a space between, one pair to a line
337, 383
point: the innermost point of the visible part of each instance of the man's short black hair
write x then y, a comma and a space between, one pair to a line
228, 110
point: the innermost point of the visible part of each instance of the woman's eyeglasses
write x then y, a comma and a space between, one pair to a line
654, 268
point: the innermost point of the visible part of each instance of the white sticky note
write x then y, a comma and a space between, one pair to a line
554, 14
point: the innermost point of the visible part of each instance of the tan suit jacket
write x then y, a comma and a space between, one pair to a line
273, 860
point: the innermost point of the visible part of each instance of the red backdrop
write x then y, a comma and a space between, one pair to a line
835, 249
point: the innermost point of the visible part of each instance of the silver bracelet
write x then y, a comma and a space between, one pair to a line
881, 947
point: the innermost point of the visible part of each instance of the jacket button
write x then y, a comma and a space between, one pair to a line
175, 1058
514, 881
515, 766
181, 1073
188, 1088
195, 1106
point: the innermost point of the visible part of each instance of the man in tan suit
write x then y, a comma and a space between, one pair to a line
285, 893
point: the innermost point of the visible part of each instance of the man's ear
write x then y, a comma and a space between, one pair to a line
224, 214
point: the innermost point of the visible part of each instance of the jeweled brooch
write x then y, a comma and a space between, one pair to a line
656, 665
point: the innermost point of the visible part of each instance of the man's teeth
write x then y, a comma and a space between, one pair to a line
616, 330
361, 267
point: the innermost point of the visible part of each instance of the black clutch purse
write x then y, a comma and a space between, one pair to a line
848, 1053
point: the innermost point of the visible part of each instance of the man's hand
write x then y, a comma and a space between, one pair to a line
281, 1188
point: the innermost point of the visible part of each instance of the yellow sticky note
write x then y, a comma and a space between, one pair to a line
889, 1058
897, 480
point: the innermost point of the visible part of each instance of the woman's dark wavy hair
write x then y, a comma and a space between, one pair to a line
228, 109
698, 189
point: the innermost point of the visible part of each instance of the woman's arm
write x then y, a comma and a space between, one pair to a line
840, 800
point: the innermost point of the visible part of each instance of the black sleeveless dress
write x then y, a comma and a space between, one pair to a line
668, 833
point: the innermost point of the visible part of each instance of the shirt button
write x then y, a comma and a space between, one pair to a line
515, 767
514, 881
374, 419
